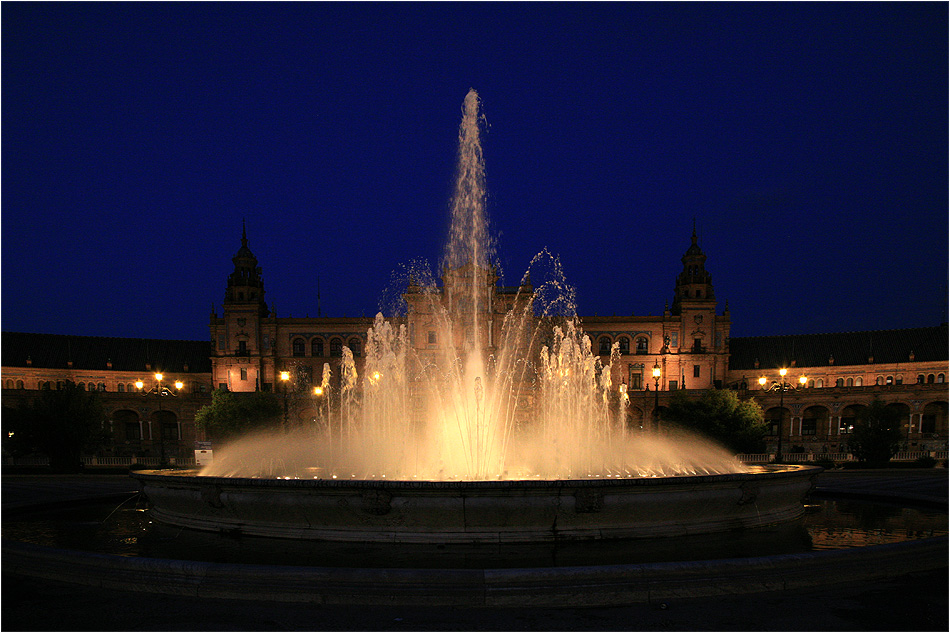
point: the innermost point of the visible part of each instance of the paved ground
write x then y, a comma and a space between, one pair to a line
910, 603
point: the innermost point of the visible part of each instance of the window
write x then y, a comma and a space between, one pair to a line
809, 426
839, 382
19, 384
674, 339
8, 384
695, 371
879, 381
243, 373
223, 386
604, 344
920, 379
928, 423
624, 345
858, 381
940, 378
889, 380
355, 346
242, 348
673, 385
221, 342
316, 347
298, 348
698, 346
431, 338
930, 379
820, 383
642, 344
636, 376
336, 347
120, 388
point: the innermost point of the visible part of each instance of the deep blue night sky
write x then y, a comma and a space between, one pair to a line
809, 141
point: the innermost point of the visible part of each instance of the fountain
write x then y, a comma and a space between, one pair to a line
481, 415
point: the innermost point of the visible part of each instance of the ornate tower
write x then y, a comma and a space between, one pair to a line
239, 344
698, 338
694, 285
245, 285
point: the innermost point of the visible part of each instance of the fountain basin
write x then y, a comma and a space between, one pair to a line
507, 511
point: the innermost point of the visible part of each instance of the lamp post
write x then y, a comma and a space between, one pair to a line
782, 385
284, 378
159, 390
656, 395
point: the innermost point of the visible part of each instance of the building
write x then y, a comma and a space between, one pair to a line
689, 344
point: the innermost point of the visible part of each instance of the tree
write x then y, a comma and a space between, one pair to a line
231, 414
61, 423
720, 415
877, 433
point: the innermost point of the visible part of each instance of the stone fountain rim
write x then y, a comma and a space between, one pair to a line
192, 476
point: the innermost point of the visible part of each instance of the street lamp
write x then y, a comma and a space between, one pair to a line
159, 390
284, 378
782, 385
656, 395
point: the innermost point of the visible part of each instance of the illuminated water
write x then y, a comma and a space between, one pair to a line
505, 386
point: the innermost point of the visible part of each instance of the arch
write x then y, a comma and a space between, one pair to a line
940, 378
336, 346
933, 420
306, 418
297, 347
643, 345
930, 379
849, 416
819, 383
904, 411
8, 383
316, 346
624, 342
120, 388
603, 345
166, 426
920, 379
815, 421
20, 385
356, 346
859, 382
839, 382
774, 416
879, 381
127, 425
635, 419
849, 382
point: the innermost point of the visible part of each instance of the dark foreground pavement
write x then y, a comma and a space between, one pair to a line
917, 602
